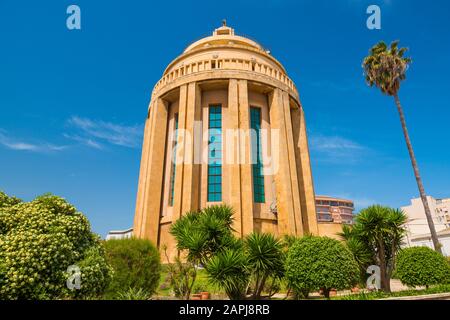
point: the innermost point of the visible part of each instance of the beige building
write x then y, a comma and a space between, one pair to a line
332, 214
119, 234
225, 125
417, 222
424, 240
418, 232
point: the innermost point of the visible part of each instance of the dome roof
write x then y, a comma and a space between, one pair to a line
223, 39
223, 36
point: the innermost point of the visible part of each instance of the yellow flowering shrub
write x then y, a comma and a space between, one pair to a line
39, 240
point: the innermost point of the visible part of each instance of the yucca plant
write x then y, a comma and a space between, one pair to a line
228, 270
385, 68
133, 294
265, 260
202, 234
360, 250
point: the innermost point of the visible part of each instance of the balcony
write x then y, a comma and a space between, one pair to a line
225, 64
324, 217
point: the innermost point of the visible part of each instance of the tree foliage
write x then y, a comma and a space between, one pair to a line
204, 233
228, 270
385, 67
265, 260
315, 263
136, 266
39, 240
422, 266
378, 232
206, 237
200, 235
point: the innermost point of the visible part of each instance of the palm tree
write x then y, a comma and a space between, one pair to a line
380, 229
385, 67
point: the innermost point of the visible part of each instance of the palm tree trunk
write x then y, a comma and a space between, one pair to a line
434, 237
385, 281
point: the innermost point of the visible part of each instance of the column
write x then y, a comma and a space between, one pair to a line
285, 205
240, 169
305, 181
232, 147
153, 186
179, 176
191, 180
142, 178
246, 164
292, 164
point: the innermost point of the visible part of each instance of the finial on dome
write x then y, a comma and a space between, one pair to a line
224, 30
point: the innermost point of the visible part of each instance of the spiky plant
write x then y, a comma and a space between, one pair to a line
265, 259
228, 271
381, 229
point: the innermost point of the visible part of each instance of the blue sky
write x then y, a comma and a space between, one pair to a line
73, 103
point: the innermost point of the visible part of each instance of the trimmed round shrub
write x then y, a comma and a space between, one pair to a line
136, 265
39, 241
422, 266
315, 263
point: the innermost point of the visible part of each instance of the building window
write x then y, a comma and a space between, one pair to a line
173, 167
215, 154
258, 169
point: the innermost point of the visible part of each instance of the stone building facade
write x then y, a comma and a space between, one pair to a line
225, 125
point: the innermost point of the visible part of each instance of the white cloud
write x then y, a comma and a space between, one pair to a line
336, 149
92, 130
15, 144
86, 141
361, 203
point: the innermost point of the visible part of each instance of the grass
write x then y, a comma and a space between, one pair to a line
201, 283
444, 288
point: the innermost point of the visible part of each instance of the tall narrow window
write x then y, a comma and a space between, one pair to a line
257, 165
215, 154
174, 161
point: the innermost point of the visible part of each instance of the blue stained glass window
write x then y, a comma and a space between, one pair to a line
174, 160
257, 166
215, 154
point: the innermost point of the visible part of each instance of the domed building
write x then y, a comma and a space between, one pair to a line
225, 125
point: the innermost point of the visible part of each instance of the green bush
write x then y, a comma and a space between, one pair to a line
136, 265
39, 240
422, 266
315, 263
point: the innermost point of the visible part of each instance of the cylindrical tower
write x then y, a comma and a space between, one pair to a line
225, 125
